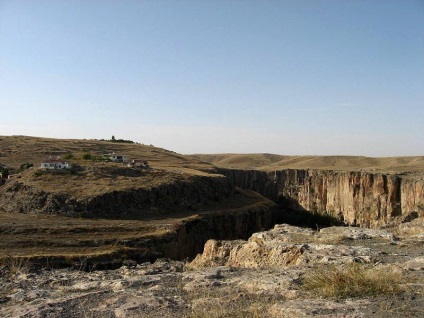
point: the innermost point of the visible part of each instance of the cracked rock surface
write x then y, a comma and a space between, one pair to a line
260, 277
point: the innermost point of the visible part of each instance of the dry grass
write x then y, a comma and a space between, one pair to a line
14, 265
352, 280
95, 178
208, 303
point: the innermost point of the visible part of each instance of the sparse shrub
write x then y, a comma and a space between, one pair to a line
352, 280
68, 156
209, 303
25, 166
87, 156
38, 173
15, 265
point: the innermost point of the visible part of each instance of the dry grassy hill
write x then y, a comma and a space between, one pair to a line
16, 150
98, 188
270, 162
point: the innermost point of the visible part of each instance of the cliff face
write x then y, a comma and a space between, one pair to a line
357, 197
17, 196
190, 237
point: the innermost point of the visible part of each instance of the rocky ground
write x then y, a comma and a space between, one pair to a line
266, 276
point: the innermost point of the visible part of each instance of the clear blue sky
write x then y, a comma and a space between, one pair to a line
334, 77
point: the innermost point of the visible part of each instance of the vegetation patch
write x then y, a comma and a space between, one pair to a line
113, 139
4, 171
14, 265
352, 280
68, 156
211, 304
25, 166
87, 156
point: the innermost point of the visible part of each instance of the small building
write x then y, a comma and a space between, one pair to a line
55, 164
115, 157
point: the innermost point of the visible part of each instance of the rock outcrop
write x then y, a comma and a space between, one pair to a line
274, 289
356, 197
285, 246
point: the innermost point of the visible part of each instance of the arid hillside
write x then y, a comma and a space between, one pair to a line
271, 162
98, 188
16, 150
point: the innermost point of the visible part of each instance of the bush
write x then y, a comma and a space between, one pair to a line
87, 156
38, 173
15, 265
121, 140
25, 166
68, 156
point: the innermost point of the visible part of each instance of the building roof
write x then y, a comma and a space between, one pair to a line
54, 161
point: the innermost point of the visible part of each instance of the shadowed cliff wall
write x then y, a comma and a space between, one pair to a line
356, 197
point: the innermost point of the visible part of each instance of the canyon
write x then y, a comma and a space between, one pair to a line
360, 198
206, 235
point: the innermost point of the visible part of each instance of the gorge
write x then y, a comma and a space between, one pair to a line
360, 198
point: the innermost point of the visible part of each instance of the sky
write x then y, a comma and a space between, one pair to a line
291, 77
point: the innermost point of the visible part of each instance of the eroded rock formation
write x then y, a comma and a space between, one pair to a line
356, 197
284, 246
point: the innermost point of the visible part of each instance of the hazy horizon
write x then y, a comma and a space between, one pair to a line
308, 77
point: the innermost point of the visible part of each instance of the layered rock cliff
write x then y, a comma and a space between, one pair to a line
20, 195
356, 197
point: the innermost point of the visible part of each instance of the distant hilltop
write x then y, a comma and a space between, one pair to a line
271, 162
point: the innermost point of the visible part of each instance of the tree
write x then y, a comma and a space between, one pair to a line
113, 138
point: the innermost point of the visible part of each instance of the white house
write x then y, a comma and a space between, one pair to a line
116, 158
55, 164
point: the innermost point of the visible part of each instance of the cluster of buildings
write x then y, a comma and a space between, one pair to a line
58, 163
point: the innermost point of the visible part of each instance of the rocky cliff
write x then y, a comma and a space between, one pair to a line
189, 239
358, 198
20, 195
